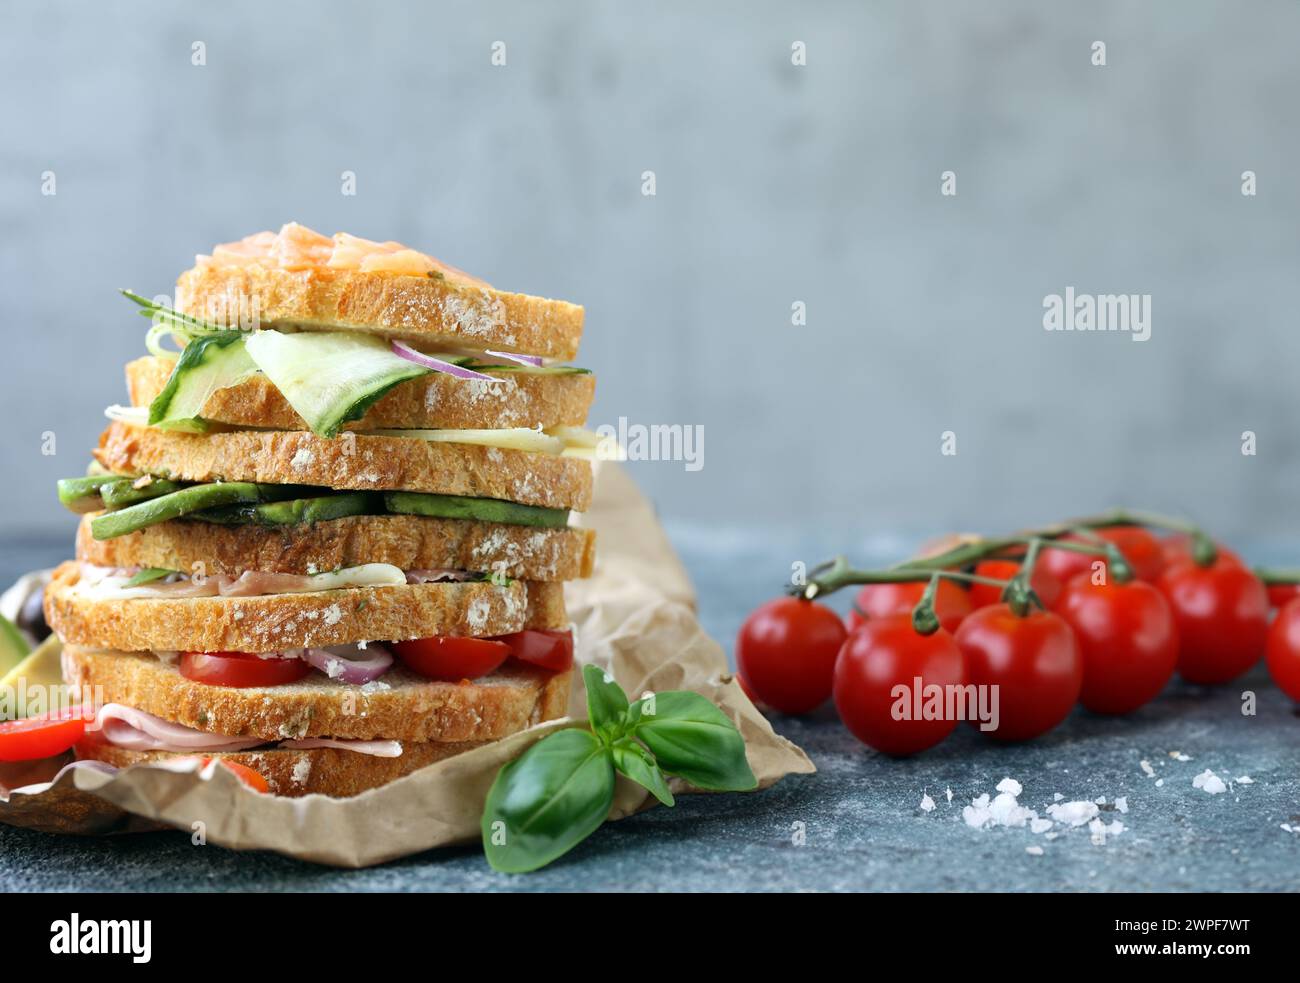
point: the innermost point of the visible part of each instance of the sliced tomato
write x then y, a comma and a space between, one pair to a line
42, 736
451, 658
253, 779
549, 648
240, 669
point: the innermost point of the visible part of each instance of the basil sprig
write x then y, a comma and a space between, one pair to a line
559, 791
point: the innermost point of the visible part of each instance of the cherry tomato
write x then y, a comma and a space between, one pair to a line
884, 654
245, 774
951, 603
1284, 650
786, 652
1178, 547
1128, 639
549, 648
1222, 615
1045, 585
1034, 661
451, 658
1280, 595
41, 736
241, 669
1139, 547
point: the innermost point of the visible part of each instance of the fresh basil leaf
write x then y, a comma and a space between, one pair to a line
638, 764
693, 739
547, 801
606, 701
148, 576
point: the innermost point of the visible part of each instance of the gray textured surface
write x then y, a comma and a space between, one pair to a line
775, 184
864, 828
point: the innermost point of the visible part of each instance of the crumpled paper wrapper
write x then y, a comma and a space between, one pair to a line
635, 617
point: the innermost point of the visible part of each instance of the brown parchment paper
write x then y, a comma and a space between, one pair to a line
635, 617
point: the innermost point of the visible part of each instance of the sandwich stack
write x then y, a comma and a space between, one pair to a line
325, 544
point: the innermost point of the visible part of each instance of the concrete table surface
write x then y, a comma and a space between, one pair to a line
856, 824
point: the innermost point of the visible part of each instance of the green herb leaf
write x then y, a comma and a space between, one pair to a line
547, 801
693, 739
149, 575
606, 701
638, 764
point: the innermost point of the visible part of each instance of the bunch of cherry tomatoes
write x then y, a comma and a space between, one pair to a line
1101, 612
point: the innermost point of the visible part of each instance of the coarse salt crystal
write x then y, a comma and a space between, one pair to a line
1009, 786
1121, 803
1073, 813
1179, 756
1208, 782
1146, 768
1245, 780
1039, 825
1036, 851
948, 793
927, 803
1057, 796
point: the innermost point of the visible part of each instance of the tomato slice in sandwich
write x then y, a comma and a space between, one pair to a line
42, 736
241, 669
549, 648
451, 658
253, 779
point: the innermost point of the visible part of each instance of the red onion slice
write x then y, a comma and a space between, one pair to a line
351, 665
403, 350
533, 360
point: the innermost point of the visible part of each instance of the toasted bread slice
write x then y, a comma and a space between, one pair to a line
349, 462
277, 622
429, 309
406, 541
400, 706
514, 399
293, 773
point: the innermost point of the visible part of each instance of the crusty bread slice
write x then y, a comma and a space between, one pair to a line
400, 706
277, 622
351, 462
515, 399
406, 541
424, 308
291, 773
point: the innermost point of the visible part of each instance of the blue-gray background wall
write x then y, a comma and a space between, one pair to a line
775, 184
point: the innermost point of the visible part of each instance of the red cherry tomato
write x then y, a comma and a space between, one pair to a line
1284, 650
240, 669
786, 652
1222, 615
1034, 661
884, 654
41, 736
245, 774
452, 658
1280, 595
549, 648
1139, 547
1178, 547
1128, 639
1045, 585
951, 603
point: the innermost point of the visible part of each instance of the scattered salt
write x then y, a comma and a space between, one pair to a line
1010, 786
1146, 768
1039, 825
1036, 851
1179, 756
948, 792
1057, 796
927, 803
1073, 813
1160, 782
1121, 803
1245, 780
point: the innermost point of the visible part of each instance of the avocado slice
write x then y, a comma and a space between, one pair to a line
119, 494
298, 510
482, 509
13, 647
84, 494
43, 672
195, 498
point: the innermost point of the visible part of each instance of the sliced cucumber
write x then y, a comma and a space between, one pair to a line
526, 369
119, 494
482, 509
296, 511
212, 362
83, 494
184, 502
329, 378
148, 575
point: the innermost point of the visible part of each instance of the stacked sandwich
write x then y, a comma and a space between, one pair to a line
326, 542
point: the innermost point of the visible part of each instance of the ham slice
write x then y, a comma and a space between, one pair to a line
135, 730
